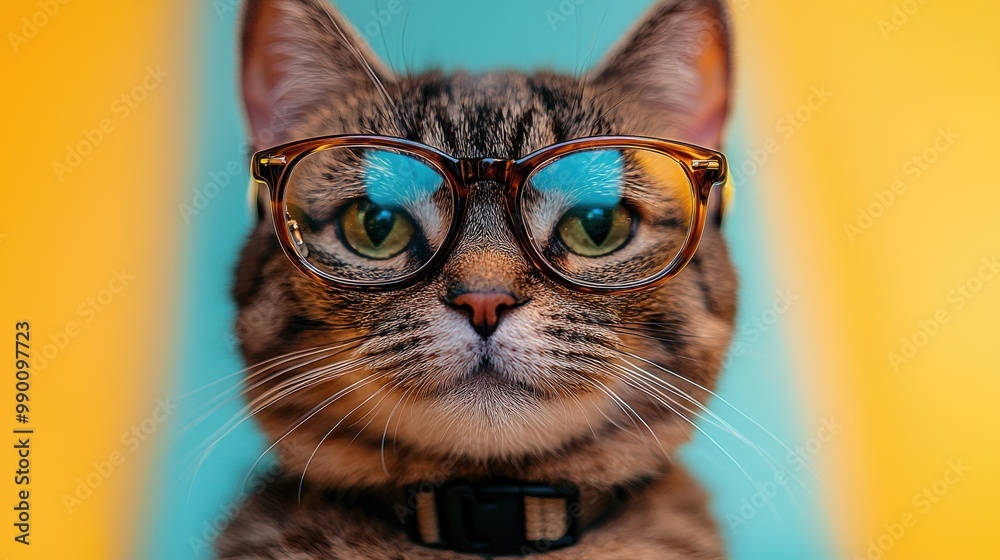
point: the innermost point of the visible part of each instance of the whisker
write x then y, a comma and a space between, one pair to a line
308, 379
643, 377
385, 429
704, 433
302, 480
241, 389
622, 402
721, 399
766, 457
260, 366
356, 52
316, 409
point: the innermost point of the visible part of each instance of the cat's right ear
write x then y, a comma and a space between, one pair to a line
297, 53
673, 69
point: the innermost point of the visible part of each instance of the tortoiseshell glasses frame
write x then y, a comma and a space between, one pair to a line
705, 170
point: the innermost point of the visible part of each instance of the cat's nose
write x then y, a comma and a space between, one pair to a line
483, 308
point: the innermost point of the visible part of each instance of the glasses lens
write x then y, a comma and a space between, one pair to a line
364, 214
609, 216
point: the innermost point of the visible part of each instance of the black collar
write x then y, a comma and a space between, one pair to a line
502, 517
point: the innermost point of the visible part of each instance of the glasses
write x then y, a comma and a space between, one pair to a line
599, 214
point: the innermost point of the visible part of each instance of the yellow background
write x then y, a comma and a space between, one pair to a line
60, 243
940, 69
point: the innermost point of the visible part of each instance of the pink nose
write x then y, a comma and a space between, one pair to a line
484, 309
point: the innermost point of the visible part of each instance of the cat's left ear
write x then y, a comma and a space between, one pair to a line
298, 54
673, 69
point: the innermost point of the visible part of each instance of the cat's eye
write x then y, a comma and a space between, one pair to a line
622, 214
376, 231
363, 213
595, 231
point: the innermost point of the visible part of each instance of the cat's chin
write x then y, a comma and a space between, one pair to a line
492, 387
486, 415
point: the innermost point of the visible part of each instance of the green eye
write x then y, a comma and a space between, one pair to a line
375, 231
594, 231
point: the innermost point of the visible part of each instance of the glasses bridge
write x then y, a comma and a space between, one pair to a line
485, 169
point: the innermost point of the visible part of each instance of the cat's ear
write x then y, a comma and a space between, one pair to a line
295, 54
674, 67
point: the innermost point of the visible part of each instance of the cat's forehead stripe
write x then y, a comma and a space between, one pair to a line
492, 115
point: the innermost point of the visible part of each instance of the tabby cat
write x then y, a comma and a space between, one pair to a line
485, 409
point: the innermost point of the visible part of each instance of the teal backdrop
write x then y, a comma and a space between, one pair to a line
760, 516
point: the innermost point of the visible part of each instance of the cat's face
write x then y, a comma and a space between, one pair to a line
409, 365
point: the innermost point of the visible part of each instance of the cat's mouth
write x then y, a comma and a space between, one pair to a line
486, 377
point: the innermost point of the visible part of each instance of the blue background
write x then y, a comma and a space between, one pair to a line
196, 495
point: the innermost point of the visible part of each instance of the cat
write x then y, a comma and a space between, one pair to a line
360, 490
